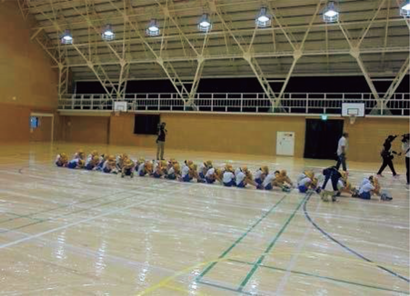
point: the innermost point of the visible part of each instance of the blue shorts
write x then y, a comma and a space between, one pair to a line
59, 164
241, 185
156, 175
201, 175
268, 187
210, 181
142, 173
365, 195
72, 165
187, 178
258, 181
171, 177
229, 184
107, 170
302, 188
127, 172
89, 167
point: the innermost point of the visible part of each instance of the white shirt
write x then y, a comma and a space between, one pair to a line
367, 187
171, 171
210, 173
240, 176
185, 170
405, 147
258, 174
305, 180
228, 177
365, 180
141, 167
342, 142
301, 177
269, 178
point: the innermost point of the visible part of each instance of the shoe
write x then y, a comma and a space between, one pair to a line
397, 176
162, 159
122, 175
334, 198
380, 176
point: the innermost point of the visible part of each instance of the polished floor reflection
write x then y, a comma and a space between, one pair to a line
69, 232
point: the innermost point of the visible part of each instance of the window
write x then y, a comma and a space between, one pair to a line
34, 122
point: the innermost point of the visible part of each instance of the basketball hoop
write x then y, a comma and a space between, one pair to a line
352, 118
117, 112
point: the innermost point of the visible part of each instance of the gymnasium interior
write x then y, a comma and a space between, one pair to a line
244, 84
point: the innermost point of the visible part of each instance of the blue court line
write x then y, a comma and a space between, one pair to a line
203, 273
346, 247
322, 277
270, 246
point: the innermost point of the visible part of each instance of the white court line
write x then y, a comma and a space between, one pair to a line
22, 240
292, 263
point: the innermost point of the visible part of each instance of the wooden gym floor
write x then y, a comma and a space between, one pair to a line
69, 232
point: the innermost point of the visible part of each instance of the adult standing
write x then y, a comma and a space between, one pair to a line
162, 133
406, 152
387, 155
341, 152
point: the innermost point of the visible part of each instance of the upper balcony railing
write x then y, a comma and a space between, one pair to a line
294, 103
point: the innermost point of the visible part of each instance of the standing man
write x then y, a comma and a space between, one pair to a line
341, 152
406, 152
162, 132
387, 155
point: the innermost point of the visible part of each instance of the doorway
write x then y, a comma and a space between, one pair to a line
322, 137
41, 127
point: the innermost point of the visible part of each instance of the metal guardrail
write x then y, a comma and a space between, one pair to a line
297, 103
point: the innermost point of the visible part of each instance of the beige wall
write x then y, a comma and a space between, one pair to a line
367, 135
84, 129
243, 134
27, 82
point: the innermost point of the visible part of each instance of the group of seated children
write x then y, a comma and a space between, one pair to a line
173, 170
335, 182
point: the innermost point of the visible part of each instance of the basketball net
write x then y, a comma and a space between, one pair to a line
352, 119
117, 112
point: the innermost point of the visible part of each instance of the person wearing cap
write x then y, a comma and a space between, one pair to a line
145, 169
120, 160
261, 174
76, 163
162, 133
203, 169
91, 155
243, 177
110, 165
160, 169
267, 183
282, 181
93, 163
79, 154
61, 160
367, 188
174, 172
140, 161
127, 168
228, 177
308, 182
213, 175
188, 171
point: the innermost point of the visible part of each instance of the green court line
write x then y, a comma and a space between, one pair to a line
212, 265
269, 248
322, 277
223, 287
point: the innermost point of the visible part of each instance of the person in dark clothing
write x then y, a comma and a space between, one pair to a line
406, 151
162, 132
332, 176
388, 156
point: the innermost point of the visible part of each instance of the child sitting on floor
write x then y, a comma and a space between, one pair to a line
61, 160
203, 169
145, 168
93, 163
127, 168
174, 172
160, 169
110, 166
282, 181
261, 174
76, 163
243, 177
120, 161
188, 171
307, 181
79, 154
228, 177
90, 156
267, 183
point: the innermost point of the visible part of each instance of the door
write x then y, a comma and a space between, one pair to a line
322, 137
41, 128
285, 143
